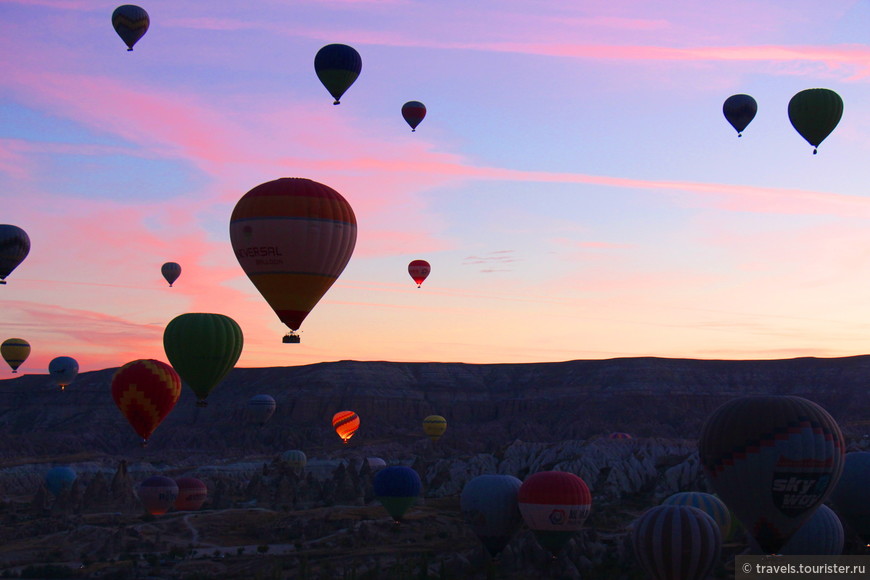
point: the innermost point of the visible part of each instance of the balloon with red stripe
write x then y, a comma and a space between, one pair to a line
192, 493
554, 504
145, 391
345, 423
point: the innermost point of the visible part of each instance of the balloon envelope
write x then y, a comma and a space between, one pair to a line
131, 23
293, 237
419, 271
59, 478
815, 113
202, 348
261, 408
554, 504
397, 488
14, 247
739, 110
707, 503
821, 535
674, 542
337, 66
158, 494
171, 271
434, 427
850, 496
772, 459
15, 351
489, 504
145, 391
375, 463
345, 423
296, 459
192, 493
63, 370
413, 112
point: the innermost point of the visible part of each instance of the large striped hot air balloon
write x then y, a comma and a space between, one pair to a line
345, 423
337, 66
707, 503
773, 459
293, 237
131, 23
413, 112
489, 504
554, 504
158, 494
434, 427
815, 113
397, 488
15, 351
202, 347
675, 542
14, 247
145, 391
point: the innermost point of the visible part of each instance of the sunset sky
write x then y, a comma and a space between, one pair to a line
574, 186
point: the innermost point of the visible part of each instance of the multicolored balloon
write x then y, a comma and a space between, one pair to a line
397, 488
434, 427
192, 493
815, 113
202, 347
15, 351
14, 247
131, 23
676, 542
337, 66
489, 504
850, 494
707, 503
158, 494
59, 478
413, 112
261, 408
554, 504
293, 237
773, 459
739, 110
419, 271
345, 423
145, 391
63, 370
171, 271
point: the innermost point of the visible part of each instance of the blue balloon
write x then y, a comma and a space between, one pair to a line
676, 542
707, 503
851, 492
489, 505
59, 478
63, 370
397, 488
821, 535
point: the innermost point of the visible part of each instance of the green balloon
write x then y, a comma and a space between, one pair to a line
202, 348
814, 113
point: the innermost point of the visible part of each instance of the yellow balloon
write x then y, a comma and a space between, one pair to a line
434, 427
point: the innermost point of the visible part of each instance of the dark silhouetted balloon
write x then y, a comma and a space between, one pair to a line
489, 504
419, 271
131, 23
158, 494
14, 247
145, 391
15, 351
375, 463
554, 504
850, 496
63, 370
337, 66
814, 113
821, 535
707, 503
345, 423
295, 459
171, 271
397, 488
413, 112
261, 408
59, 478
192, 493
675, 542
739, 110
773, 460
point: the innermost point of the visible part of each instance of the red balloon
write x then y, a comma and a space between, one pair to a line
419, 271
413, 112
158, 494
145, 391
554, 505
192, 493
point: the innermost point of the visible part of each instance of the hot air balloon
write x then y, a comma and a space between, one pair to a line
131, 23
261, 408
63, 370
145, 391
14, 247
619, 435
674, 542
158, 494
821, 535
192, 493
59, 478
419, 271
202, 348
293, 237
295, 459
337, 66
772, 460
554, 504
375, 463
434, 427
413, 112
397, 488
739, 110
345, 423
814, 113
850, 494
171, 271
707, 503
15, 351
489, 505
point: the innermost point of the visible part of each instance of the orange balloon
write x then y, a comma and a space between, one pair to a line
346, 423
145, 391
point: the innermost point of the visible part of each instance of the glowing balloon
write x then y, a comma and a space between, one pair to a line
59, 478
419, 271
15, 351
202, 348
345, 423
434, 427
675, 542
337, 66
171, 271
413, 112
158, 494
14, 247
554, 504
772, 459
192, 493
851, 493
739, 110
489, 504
397, 488
261, 408
295, 459
63, 370
619, 435
814, 113
131, 23
707, 503
293, 237
145, 391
